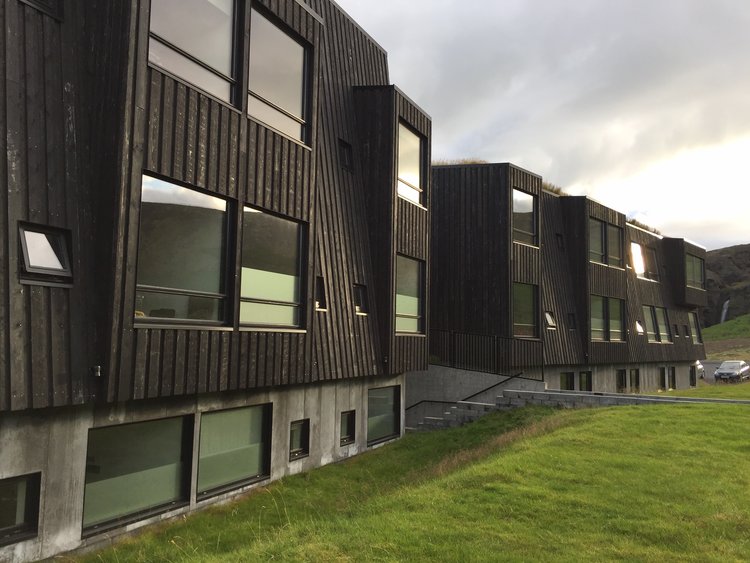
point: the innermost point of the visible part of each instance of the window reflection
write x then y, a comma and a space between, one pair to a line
276, 76
524, 217
194, 40
409, 302
409, 164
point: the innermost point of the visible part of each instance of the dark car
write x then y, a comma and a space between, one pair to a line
733, 370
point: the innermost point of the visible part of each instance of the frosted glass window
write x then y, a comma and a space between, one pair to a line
135, 470
525, 321
277, 78
181, 253
409, 164
383, 414
235, 447
194, 39
270, 284
409, 295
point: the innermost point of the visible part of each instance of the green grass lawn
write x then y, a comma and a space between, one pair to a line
716, 391
729, 340
651, 483
736, 328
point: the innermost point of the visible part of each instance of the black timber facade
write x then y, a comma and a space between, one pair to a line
476, 264
85, 116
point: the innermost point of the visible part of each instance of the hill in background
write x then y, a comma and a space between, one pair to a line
727, 277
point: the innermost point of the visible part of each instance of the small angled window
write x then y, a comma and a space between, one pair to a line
639, 327
321, 303
345, 155
361, 306
44, 253
549, 319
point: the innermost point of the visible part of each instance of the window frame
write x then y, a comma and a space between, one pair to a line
399, 180
351, 416
523, 234
567, 381
652, 312
39, 275
607, 304
29, 528
586, 376
397, 415
695, 328
535, 312
300, 304
420, 317
691, 261
267, 415
223, 297
187, 455
304, 450
236, 52
600, 226
305, 121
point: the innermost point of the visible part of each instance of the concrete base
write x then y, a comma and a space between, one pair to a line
54, 443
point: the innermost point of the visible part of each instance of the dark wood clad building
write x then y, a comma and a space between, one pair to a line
556, 291
216, 217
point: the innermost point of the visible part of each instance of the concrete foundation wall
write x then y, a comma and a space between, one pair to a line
54, 443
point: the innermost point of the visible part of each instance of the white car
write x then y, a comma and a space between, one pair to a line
732, 370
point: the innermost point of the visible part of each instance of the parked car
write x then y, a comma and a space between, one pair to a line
733, 370
699, 369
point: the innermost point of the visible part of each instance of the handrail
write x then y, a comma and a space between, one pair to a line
508, 378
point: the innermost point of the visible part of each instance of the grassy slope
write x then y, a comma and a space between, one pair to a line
661, 483
729, 340
717, 391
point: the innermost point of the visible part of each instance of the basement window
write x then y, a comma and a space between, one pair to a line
299, 439
348, 423
44, 253
19, 508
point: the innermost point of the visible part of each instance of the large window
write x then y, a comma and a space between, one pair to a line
194, 39
181, 253
657, 324
383, 414
277, 78
409, 295
409, 185
524, 217
19, 508
607, 318
271, 282
235, 447
525, 310
694, 272
695, 329
605, 243
133, 470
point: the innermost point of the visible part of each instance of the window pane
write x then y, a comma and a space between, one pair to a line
622, 382
171, 306
648, 317
567, 381
695, 329
408, 294
524, 310
45, 250
181, 238
661, 319
596, 240
694, 271
652, 267
299, 439
584, 380
614, 245
524, 217
274, 118
616, 319
179, 65
271, 267
383, 413
269, 314
201, 28
276, 74
639, 266
409, 158
348, 423
597, 318
135, 467
409, 193
234, 446
19, 507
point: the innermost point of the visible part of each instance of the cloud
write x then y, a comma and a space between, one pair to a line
584, 92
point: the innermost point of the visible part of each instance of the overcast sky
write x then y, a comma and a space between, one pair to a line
643, 105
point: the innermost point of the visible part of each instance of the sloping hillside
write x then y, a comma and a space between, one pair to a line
727, 277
